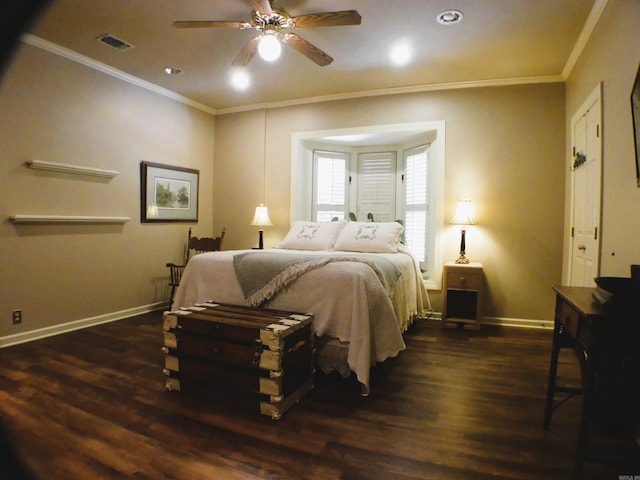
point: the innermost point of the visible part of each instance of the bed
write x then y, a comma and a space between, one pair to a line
362, 286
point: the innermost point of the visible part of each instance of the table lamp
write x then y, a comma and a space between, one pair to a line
261, 219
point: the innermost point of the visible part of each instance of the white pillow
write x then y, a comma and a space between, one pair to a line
371, 237
312, 235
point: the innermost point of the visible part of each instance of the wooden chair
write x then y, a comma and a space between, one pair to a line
195, 246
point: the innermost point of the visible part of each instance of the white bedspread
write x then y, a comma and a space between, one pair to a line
347, 299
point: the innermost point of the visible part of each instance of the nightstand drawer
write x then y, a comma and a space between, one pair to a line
464, 280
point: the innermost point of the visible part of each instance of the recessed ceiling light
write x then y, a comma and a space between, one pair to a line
400, 54
172, 71
240, 79
449, 17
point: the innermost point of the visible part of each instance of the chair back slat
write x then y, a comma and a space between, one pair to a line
205, 244
195, 246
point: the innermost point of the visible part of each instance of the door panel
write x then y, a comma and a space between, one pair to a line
586, 199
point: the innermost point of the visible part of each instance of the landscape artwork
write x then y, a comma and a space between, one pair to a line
168, 193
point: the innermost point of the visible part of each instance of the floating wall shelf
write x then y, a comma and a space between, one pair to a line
75, 169
66, 219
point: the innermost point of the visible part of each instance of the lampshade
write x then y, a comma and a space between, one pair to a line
464, 214
269, 47
261, 217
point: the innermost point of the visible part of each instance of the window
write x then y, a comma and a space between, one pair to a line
420, 204
375, 193
416, 195
330, 185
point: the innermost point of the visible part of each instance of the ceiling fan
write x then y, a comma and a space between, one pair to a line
274, 24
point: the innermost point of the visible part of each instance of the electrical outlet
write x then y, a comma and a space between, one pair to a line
17, 316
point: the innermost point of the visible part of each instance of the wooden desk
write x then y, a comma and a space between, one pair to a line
605, 341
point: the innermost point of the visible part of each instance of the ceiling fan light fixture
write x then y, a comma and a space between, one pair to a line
449, 17
269, 47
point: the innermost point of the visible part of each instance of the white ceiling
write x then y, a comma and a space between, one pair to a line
509, 41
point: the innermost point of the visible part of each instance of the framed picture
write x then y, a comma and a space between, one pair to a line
635, 116
168, 194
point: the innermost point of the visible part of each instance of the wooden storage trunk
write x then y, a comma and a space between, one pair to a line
250, 357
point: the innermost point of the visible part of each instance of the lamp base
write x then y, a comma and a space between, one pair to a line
462, 259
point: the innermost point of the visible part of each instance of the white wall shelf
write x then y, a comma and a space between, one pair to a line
66, 219
74, 169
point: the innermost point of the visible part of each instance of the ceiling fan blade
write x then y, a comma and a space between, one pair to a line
262, 6
327, 19
307, 49
208, 24
247, 52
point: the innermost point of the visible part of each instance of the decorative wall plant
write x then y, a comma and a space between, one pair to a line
578, 160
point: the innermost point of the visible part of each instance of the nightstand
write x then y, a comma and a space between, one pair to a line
463, 287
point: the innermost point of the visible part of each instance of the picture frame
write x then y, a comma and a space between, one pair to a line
635, 118
168, 193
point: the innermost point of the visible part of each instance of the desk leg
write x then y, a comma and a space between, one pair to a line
588, 385
553, 370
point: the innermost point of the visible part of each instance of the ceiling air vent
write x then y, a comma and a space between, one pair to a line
114, 42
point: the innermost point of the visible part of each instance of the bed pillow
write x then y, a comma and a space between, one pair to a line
312, 235
370, 237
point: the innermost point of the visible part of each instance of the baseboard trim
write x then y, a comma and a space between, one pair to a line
32, 335
40, 333
503, 321
518, 322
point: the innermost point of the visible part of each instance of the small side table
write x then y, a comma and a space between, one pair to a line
463, 287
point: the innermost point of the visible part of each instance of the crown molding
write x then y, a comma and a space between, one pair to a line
51, 47
583, 38
396, 91
89, 62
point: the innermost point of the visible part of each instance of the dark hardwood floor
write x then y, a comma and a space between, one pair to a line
91, 404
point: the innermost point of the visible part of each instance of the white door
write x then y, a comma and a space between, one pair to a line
586, 178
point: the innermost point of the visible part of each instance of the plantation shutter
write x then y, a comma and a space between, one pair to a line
330, 175
416, 200
377, 186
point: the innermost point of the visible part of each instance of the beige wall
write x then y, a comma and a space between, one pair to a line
504, 151
57, 110
611, 57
